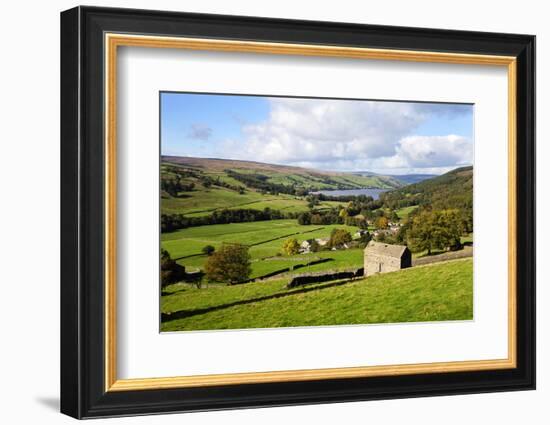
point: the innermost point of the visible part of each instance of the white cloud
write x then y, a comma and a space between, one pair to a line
430, 152
349, 135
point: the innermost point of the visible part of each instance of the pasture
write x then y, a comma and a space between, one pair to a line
442, 291
405, 211
264, 239
205, 201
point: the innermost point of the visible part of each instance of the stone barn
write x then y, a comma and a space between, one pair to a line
382, 257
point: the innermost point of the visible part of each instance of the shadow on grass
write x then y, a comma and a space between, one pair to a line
182, 314
190, 256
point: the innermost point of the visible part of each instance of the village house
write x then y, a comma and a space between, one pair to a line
322, 241
343, 246
378, 232
394, 229
305, 247
382, 257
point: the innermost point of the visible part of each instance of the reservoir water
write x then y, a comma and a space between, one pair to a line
375, 193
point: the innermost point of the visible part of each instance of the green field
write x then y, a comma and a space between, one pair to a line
202, 201
442, 291
404, 212
207, 200
265, 239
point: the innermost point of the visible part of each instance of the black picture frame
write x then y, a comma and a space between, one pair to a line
83, 392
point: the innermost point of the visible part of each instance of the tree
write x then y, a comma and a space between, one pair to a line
401, 236
170, 271
351, 221
339, 237
230, 263
314, 245
368, 214
451, 228
291, 247
365, 238
312, 201
208, 250
196, 279
381, 222
420, 233
363, 224
431, 230
316, 219
304, 218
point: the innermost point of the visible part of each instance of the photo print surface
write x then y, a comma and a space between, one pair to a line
292, 212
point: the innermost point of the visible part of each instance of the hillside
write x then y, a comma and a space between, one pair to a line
405, 179
413, 178
304, 178
451, 190
420, 294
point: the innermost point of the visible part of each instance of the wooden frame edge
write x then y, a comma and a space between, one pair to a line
512, 212
114, 40
306, 375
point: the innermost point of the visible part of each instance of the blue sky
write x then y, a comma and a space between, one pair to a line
327, 134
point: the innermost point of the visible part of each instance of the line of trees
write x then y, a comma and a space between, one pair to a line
331, 216
171, 222
176, 185
355, 202
173, 181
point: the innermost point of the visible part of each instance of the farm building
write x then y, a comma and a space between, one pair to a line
382, 257
322, 241
305, 247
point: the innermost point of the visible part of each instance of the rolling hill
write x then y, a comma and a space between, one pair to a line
451, 190
413, 178
307, 179
405, 179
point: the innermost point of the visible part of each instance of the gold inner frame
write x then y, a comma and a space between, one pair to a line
113, 41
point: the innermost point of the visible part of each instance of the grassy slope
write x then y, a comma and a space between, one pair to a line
202, 201
451, 190
404, 212
436, 292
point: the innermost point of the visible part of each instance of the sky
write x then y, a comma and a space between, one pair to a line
326, 134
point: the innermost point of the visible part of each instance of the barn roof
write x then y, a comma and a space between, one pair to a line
385, 249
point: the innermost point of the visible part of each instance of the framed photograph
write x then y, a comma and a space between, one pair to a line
261, 212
